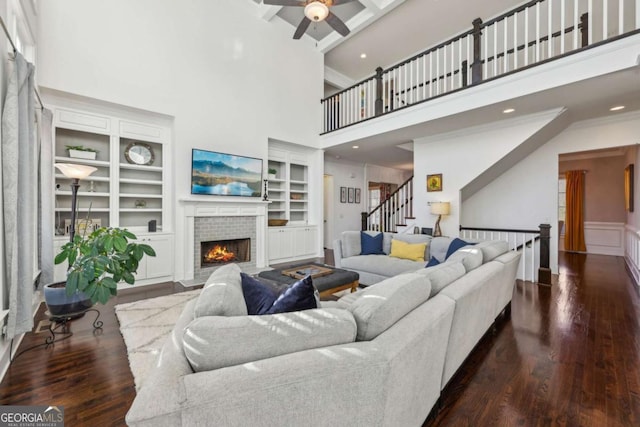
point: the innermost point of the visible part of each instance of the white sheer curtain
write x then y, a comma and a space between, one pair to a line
46, 198
19, 179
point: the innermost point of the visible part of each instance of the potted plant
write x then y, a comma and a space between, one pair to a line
272, 173
96, 264
81, 152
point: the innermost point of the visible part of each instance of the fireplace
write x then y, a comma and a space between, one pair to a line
218, 252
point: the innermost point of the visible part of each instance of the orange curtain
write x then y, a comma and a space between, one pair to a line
574, 225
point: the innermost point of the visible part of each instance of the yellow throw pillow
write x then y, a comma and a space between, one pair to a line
412, 251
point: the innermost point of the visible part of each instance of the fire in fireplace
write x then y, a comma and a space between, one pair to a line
217, 252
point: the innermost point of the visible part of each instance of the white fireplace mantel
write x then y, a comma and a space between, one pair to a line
211, 206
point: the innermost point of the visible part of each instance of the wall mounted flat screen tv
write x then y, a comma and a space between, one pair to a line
221, 174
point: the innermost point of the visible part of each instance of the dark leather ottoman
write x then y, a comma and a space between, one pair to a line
338, 280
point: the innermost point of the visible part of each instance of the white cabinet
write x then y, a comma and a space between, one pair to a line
292, 243
158, 268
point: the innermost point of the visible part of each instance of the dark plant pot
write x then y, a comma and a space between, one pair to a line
60, 304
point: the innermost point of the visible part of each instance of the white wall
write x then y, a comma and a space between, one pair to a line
230, 79
527, 194
460, 157
346, 216
633, 156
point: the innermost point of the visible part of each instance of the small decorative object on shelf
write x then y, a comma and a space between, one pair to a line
139, 153
265, 196
272, 173
81, 152
139, 203
92, 187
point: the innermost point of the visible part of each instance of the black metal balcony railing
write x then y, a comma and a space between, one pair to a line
533, 33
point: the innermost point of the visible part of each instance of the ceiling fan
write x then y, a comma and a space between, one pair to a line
314, 11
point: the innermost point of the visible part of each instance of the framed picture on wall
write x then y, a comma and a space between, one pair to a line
343, 194
434, 182
357, 196
351, 194
628, 188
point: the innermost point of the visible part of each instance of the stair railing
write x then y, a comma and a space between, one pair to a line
534, 245
393, 211
530, 34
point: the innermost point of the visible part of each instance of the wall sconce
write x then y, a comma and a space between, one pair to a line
439, 208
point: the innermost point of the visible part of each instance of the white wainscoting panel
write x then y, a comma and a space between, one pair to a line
632, 251
604, 238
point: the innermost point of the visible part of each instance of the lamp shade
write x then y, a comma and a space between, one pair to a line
316, 11
440, 208
71, 170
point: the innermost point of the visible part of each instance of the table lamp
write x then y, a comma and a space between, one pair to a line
439, 208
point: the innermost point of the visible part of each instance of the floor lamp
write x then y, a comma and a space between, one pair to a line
439, 208
75, 173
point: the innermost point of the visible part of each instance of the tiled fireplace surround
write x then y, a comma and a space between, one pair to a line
207, 219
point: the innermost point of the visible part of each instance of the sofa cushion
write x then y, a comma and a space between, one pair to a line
492, 249
371, 244
222, 294
454, 246
258, 297
214, 342
350, 244
438, 248
348, 299
410, 251
470, 256
298, 296
413, 239
382, 265
442, 275
383, 304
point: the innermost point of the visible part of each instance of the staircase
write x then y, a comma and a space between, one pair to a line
392, 212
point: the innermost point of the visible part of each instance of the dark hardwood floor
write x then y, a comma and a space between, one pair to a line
568, 356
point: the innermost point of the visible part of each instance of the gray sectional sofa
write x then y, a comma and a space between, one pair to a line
377, 357
375, 268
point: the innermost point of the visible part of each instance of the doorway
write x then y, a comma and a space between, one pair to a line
327, 211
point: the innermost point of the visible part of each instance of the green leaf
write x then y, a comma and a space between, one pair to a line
108, 243
72, 282
120, 243
138, 253
72, 257
109, 283
129, 235
102, 294
83, 283
61, 257
148, 250
128, 277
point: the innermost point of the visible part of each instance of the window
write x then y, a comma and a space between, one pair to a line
562, 204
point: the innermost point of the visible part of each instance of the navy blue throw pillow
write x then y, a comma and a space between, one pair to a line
371, 245
299, 296
455, 245
433, 261
257, 296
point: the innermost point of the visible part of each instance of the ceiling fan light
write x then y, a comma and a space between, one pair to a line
316, 11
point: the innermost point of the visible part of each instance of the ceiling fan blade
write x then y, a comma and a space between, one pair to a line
302, 27
338, 2
284, 2
337, 24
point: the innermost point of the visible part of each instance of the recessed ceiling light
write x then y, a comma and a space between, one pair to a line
617, 108
508, 110
355, 147
363, 55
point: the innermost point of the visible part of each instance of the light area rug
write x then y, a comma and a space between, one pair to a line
145, 325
